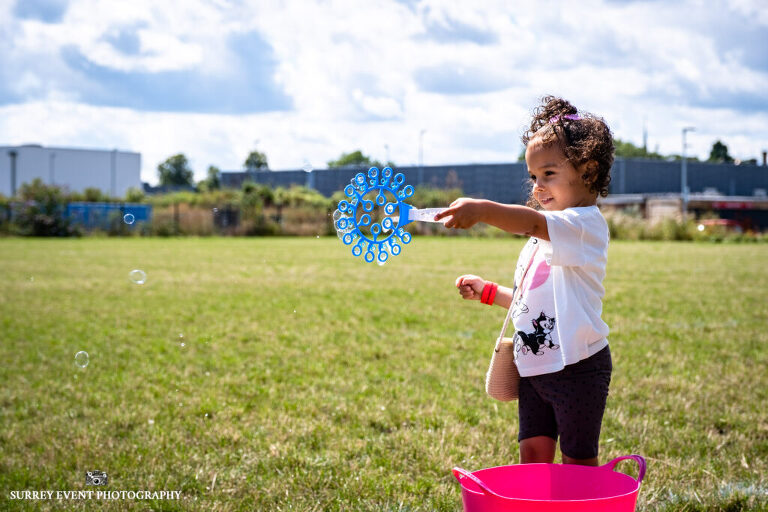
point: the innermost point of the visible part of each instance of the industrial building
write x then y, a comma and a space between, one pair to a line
113, 172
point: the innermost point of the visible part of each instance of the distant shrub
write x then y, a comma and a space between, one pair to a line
41, 211
631, 226
135, 195
298, 196
431, 197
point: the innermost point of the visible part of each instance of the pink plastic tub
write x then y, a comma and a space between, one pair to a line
550, 488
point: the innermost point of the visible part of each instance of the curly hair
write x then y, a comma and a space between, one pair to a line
582, 136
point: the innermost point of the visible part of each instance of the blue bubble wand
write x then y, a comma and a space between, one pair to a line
355, 220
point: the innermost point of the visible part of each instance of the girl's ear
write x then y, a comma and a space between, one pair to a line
590, 172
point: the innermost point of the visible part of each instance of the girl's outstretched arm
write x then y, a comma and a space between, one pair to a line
513, 218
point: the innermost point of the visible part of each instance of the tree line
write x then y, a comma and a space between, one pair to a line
717, 155
175, 170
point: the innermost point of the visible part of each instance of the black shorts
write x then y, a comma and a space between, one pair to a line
568, 404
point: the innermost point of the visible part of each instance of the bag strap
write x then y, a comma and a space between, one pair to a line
517, 292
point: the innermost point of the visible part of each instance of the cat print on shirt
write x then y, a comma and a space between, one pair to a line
539, 338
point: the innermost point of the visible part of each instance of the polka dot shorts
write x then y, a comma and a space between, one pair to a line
568, 404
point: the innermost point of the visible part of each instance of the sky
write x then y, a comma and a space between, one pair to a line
306, 80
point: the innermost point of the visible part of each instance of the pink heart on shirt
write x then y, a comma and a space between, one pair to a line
540, 276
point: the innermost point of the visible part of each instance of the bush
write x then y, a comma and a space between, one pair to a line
135, 195
298, 196
5, 215
41, 212
631, 226
430, 197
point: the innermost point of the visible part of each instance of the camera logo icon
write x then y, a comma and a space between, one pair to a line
95, 478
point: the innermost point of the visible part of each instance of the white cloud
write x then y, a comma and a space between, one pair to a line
158, 52
381, 107
351, 73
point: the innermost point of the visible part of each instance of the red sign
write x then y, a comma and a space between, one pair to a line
731, 205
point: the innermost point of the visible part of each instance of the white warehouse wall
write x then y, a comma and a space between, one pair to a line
72, 169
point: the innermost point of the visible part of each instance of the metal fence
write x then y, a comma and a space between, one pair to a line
637, 176
101, 215
508, 183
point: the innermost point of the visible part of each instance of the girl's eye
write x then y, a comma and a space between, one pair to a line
532, 178
548, 173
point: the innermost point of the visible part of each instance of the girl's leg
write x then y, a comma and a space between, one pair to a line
538, 429
580, 412
537, 449
581, 462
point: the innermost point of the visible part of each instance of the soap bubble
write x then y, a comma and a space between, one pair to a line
385, 250
138, 276
81, 359
129, 218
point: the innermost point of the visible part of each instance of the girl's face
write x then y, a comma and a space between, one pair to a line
557, 184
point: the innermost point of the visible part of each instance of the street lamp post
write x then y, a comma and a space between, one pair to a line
421, 156
13, 155
113, 173
684, 173
51, 175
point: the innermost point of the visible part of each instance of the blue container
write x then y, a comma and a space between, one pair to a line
99, 215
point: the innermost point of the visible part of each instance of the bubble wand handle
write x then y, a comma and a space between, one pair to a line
427, 215
409, 214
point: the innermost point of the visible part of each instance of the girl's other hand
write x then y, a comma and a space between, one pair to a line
463, 212
470, 286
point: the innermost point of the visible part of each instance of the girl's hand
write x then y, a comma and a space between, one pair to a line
464, 212
470, 286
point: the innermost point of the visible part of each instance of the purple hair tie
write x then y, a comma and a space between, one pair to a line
572, 117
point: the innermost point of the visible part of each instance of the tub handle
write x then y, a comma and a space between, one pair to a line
460, 473
637, 458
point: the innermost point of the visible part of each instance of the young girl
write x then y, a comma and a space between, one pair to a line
561, 349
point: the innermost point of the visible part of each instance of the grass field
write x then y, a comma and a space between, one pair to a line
310, 380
